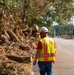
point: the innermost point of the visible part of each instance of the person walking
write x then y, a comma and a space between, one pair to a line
46, 51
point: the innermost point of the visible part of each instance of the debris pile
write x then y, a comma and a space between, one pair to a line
17, 44
17, 52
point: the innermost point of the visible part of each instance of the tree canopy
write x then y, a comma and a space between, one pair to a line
40, 12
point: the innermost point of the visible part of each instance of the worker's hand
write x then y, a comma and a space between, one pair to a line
34, 62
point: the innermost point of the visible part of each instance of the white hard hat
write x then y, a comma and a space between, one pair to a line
43, 29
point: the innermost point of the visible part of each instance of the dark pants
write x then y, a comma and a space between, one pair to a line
45, 68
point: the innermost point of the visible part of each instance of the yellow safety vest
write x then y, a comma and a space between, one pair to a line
48, 50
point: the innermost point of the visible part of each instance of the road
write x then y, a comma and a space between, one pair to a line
64, 64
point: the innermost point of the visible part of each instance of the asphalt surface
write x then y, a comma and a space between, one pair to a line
64, 64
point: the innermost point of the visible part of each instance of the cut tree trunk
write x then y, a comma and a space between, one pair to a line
7, 35
13, 36
20, 59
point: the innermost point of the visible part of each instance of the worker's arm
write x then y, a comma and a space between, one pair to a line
36, 56
39, 47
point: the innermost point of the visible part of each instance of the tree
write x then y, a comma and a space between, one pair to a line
64, 29
42, 12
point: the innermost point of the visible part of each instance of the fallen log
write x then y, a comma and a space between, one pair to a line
13, 36
6, 34
20, 59
27, 31
5, 39
35, 31
36, 28
23, 47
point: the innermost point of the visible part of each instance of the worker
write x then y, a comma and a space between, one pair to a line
45, 55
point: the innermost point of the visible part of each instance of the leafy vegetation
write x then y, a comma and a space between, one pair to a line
41, 12
62, 30
17, 13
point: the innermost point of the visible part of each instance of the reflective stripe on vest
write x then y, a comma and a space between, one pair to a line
47, 53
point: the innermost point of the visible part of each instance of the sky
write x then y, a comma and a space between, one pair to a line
55, 23
72, 19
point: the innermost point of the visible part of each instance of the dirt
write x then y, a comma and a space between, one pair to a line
14, 67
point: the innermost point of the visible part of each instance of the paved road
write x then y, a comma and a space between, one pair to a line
64, 64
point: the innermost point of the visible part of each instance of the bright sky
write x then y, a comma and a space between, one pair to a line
72, 19
73, 22
55, 23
